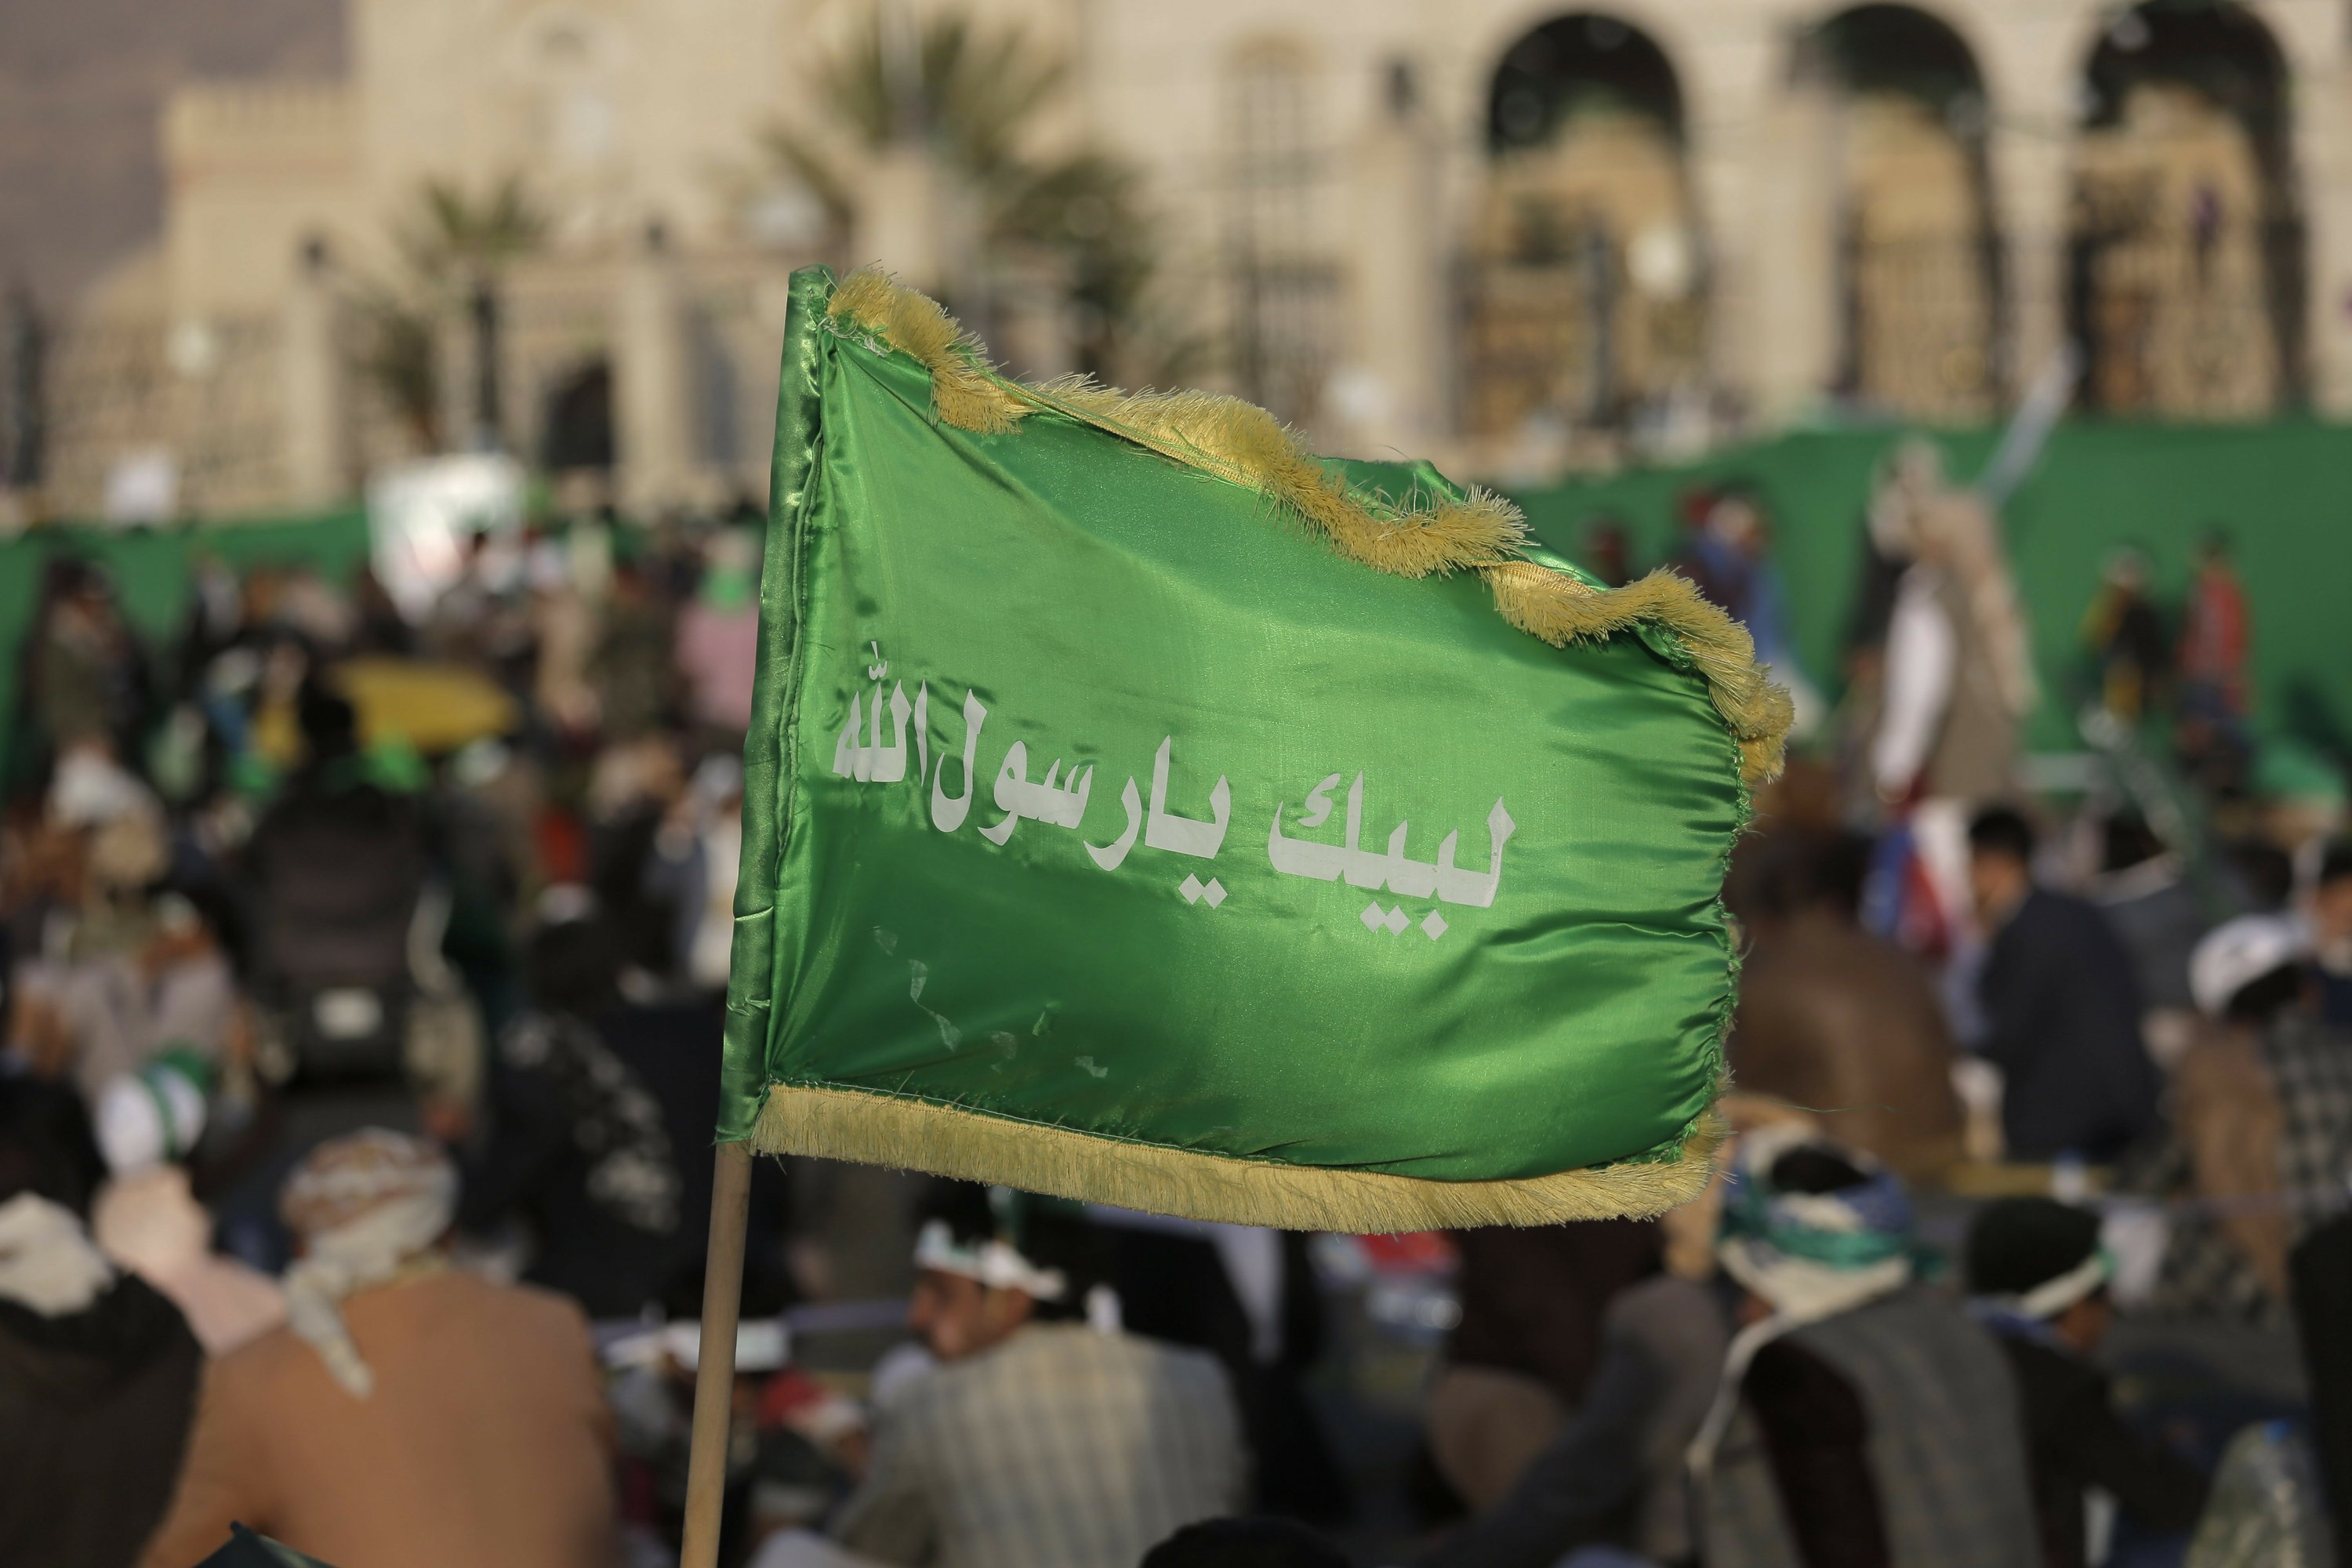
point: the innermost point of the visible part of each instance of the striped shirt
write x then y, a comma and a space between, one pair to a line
1062, 1448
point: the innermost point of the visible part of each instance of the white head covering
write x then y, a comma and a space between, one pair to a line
1807, 1256
995, 1263
155, 1114
47, 1259
90, 788
369, 1208
2241, 952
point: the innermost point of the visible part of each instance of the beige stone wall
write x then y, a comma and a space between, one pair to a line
626, 111
254, 170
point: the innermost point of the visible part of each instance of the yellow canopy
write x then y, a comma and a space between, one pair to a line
433, 707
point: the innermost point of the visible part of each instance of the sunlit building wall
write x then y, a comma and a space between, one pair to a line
1511, 234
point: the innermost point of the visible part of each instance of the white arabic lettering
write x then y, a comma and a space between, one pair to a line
1393, 869
1163, 830
1108, 856
1017, 797
948, 814
859, 753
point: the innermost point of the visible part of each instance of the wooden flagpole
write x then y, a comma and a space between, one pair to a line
714, 1372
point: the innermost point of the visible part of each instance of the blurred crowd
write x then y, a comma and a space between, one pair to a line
364, 979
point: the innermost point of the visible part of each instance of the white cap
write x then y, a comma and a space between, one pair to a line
2237, 953
90, 788
146, 1117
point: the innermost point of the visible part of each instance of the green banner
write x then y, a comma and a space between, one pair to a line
1139, 809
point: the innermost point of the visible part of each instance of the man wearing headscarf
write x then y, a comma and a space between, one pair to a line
2038, 1279
2262, 1118
146, 1218
1959, 675
1955, 683
407, 1413
98, 1373
1861, 1422
1041, 1439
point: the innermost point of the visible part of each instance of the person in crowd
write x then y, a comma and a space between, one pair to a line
564, 625
1740, 521
574, 1144
132, 969
2216, 636
1954, 679
1040, 1440
1613, 1475
1606, 549
376, 626
407, 1413
1838, 1020
2331, 933
84, 680
2123, 633
1862, 1419
1957, 674
336, 868
636, 789
2143, 890
2039, 1278
1521, 1357
690, 869
98, 1371
149, 1223
112, 965
1246, 1543
1703, 557
1248, 1296
630, 667
146, 1218
2322, 1276
2062, 1007
719, 639
2262, 1118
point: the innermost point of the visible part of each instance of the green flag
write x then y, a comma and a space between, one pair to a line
1141, 810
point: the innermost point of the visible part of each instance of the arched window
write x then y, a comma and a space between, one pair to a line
1917, 269
1283, 283
1584, 299
2185, 267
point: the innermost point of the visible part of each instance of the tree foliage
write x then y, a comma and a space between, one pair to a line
973, 95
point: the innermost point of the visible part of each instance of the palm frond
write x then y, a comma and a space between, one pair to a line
803, 159
400, 356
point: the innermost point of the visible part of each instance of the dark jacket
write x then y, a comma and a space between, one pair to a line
1888, 1436
2074, 1441
1845, 1024
580, 1150
2062, 1009
94, 1411
1615, 1473
1532, 1299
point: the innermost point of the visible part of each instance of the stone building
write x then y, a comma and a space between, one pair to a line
1486, 229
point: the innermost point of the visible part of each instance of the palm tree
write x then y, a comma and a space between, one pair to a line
452, 235
461, 247
400, 353
970, 95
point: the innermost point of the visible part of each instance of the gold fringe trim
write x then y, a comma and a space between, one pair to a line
966, 393
1243, 443
947, 1140
1561, 610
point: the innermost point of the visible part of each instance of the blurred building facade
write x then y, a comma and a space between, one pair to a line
1482, 229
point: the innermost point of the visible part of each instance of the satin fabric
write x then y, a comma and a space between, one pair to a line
1098, 599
